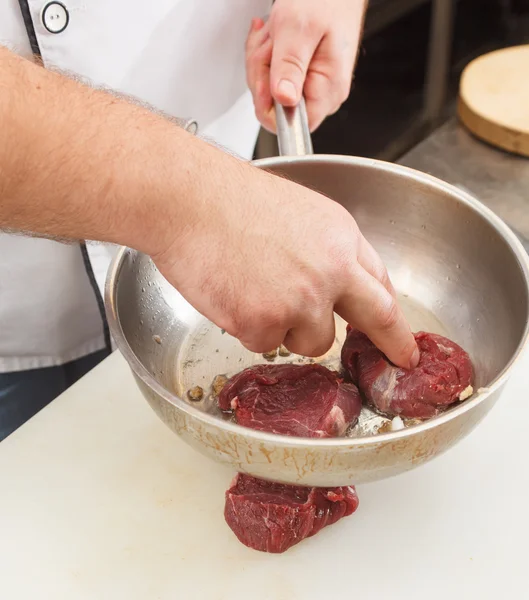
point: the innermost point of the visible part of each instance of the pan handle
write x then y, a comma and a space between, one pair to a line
293, 134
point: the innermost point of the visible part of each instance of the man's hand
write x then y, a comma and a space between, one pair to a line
307, 47
264, 258
273, 260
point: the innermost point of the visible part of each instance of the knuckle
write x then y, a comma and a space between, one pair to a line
263, 331
319, 348
311, 293
340, 95
310, 341
343, 93
313, 26
293, 62
255, 345
299, 347
281, 16
295, 344
384, 278
341, 254
341, 265
381, 274
268, 319
301, 22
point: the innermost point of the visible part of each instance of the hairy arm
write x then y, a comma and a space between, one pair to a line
81, 163
262, 257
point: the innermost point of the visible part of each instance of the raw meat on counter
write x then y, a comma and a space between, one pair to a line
297, 400
443, 376
272, 517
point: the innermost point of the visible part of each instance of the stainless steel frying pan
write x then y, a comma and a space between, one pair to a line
459, 271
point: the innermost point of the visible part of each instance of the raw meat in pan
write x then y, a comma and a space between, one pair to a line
297, 400
272, 517
442, 377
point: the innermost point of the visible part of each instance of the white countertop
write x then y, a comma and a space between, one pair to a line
98, 499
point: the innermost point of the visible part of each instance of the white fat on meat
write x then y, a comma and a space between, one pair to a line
466, 393
397, 424
337, 417
384, 386
445, 349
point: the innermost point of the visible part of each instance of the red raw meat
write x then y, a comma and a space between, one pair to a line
272, 517
444, 373
297, 400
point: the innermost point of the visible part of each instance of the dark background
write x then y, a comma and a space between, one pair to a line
384, 115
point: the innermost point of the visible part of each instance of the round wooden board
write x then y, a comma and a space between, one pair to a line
494, 98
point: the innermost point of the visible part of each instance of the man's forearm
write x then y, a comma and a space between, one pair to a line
80, 163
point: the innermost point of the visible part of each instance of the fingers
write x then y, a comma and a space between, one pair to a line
292, 55
295, 40
328, 80
258, 59
263, 340
312, 338
369, 307
372, 263
312, 51
309, 337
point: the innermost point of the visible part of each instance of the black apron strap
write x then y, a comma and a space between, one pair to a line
100, 302
30, 29
35, 48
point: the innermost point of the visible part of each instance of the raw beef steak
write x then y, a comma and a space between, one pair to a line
272, 517
297, 400
442, 377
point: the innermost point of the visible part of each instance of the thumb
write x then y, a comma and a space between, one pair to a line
293, 48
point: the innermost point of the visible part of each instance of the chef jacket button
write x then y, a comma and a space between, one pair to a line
55, 17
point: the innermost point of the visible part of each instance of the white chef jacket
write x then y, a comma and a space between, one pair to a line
185, 57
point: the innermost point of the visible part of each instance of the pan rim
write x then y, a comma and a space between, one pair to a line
344, 443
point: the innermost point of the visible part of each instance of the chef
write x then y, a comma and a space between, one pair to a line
89, 151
